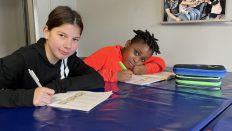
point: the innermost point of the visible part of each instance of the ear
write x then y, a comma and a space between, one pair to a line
46, 32
128, 43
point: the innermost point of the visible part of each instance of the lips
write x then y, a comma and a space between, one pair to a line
63, 52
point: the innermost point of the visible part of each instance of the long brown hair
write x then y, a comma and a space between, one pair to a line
64, 15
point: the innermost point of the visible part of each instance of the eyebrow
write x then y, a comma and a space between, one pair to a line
67, 34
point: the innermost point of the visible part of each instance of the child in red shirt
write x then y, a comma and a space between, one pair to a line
136, 56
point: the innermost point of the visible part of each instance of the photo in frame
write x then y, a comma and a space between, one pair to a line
179, 11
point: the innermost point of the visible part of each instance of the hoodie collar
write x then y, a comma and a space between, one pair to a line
40, 47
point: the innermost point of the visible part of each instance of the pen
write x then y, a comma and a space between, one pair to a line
34, 77
122, 65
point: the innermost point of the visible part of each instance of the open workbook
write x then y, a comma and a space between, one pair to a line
79, 100
150, 78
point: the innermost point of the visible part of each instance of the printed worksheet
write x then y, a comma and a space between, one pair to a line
79, 100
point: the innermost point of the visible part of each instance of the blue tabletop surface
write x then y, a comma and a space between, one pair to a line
159, 106
222, 122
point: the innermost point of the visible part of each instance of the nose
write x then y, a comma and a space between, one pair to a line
136, 59
68, 44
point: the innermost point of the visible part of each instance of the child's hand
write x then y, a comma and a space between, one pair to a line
140, 70
124, 75
42, 96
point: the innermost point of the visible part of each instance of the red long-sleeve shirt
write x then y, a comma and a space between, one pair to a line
106, 62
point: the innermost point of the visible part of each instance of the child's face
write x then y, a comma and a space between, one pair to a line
135, 54
61, 41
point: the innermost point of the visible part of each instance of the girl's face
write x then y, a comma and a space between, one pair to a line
135, 54
61, 42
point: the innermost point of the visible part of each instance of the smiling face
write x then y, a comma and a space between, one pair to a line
135, 54
61, 42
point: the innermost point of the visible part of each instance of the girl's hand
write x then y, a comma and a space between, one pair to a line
42, 96
124, 75
140, 70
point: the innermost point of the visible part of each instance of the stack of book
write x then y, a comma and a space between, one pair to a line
199, 76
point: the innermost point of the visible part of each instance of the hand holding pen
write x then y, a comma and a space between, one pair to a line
137, 70
125, 74
42, 95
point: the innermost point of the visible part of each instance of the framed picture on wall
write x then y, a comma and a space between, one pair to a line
193, 11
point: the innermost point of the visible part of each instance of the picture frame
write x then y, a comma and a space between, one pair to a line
194, 11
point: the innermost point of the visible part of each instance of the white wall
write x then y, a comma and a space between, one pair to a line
108, 22
12, 32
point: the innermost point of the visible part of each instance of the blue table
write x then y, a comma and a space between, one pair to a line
158, 106
222, 122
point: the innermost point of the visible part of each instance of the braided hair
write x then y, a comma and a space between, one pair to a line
146, 38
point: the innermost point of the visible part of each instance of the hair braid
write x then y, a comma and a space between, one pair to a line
147, 38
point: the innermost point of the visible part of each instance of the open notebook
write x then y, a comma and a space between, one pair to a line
79, 100
150, 78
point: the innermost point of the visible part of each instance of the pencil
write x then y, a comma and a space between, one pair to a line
122, 65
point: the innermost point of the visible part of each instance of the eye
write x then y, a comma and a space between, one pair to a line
62, 35
143, 59
76, 39
136, 53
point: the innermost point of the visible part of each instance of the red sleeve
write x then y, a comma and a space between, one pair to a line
98, 60
108, 75
155, 64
